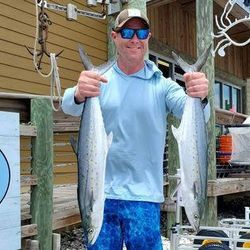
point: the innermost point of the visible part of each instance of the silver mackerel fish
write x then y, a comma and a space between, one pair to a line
92, 149
191, 138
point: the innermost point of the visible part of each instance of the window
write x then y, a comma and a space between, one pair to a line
226, 103
217, 94
164, 67
227, 96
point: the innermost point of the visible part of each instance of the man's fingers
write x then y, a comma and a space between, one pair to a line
93, 75
92, 94
193, 75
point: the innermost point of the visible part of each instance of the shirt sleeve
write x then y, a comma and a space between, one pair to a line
175, 98
68, 103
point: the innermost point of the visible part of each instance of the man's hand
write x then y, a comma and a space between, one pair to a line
88, 85
196, 84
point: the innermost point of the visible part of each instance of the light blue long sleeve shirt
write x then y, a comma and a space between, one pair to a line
134, 109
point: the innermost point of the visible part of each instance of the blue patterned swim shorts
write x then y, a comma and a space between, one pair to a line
135, 223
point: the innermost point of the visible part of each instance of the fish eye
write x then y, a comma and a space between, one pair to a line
91, 230
196, 217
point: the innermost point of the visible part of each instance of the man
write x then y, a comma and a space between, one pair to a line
135, 99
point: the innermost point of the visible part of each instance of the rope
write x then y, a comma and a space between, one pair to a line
55, 82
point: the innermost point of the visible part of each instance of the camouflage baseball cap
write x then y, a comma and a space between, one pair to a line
128, 14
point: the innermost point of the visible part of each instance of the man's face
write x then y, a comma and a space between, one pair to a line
134, 48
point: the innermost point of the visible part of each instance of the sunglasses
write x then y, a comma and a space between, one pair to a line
127, 33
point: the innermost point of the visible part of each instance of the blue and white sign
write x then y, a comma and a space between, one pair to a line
10, 211
4, 176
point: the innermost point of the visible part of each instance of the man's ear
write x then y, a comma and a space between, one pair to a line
113, 35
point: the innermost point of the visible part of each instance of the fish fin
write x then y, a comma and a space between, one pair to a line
73, 143
202, 59
101, 69
174, 193
197, 65
85, 59
184, 65
110, 139
176, 133
105, 66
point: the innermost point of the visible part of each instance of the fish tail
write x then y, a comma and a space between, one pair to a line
197, 65
85, 59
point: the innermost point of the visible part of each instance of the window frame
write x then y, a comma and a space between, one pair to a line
232, 86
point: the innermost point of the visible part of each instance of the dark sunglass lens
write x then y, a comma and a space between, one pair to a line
142, 33
127, 33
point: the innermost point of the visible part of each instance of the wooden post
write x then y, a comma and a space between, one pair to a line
42, 166
204, 28
56, 241
138, 4
32, 245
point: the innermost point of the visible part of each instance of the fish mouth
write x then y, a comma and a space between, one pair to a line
196, 224
90, 234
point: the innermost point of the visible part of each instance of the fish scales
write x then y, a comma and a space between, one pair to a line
191, 137
192, 146
92, 149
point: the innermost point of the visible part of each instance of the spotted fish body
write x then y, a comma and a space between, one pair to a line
192, 145
92, 150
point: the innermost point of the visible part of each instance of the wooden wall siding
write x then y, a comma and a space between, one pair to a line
246, 61
17, 74
17, 28
247, 99
232, 62
65, 163
175, 26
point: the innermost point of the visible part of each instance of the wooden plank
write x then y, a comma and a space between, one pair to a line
42, 166
67, 221
65, 123
66, 127
25, 216
226, 186
29, 230
240, 175
28, 180
56, 241
26, 63
26, 11
31, 244
157, 3
28, 130
225, 117
55, 37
